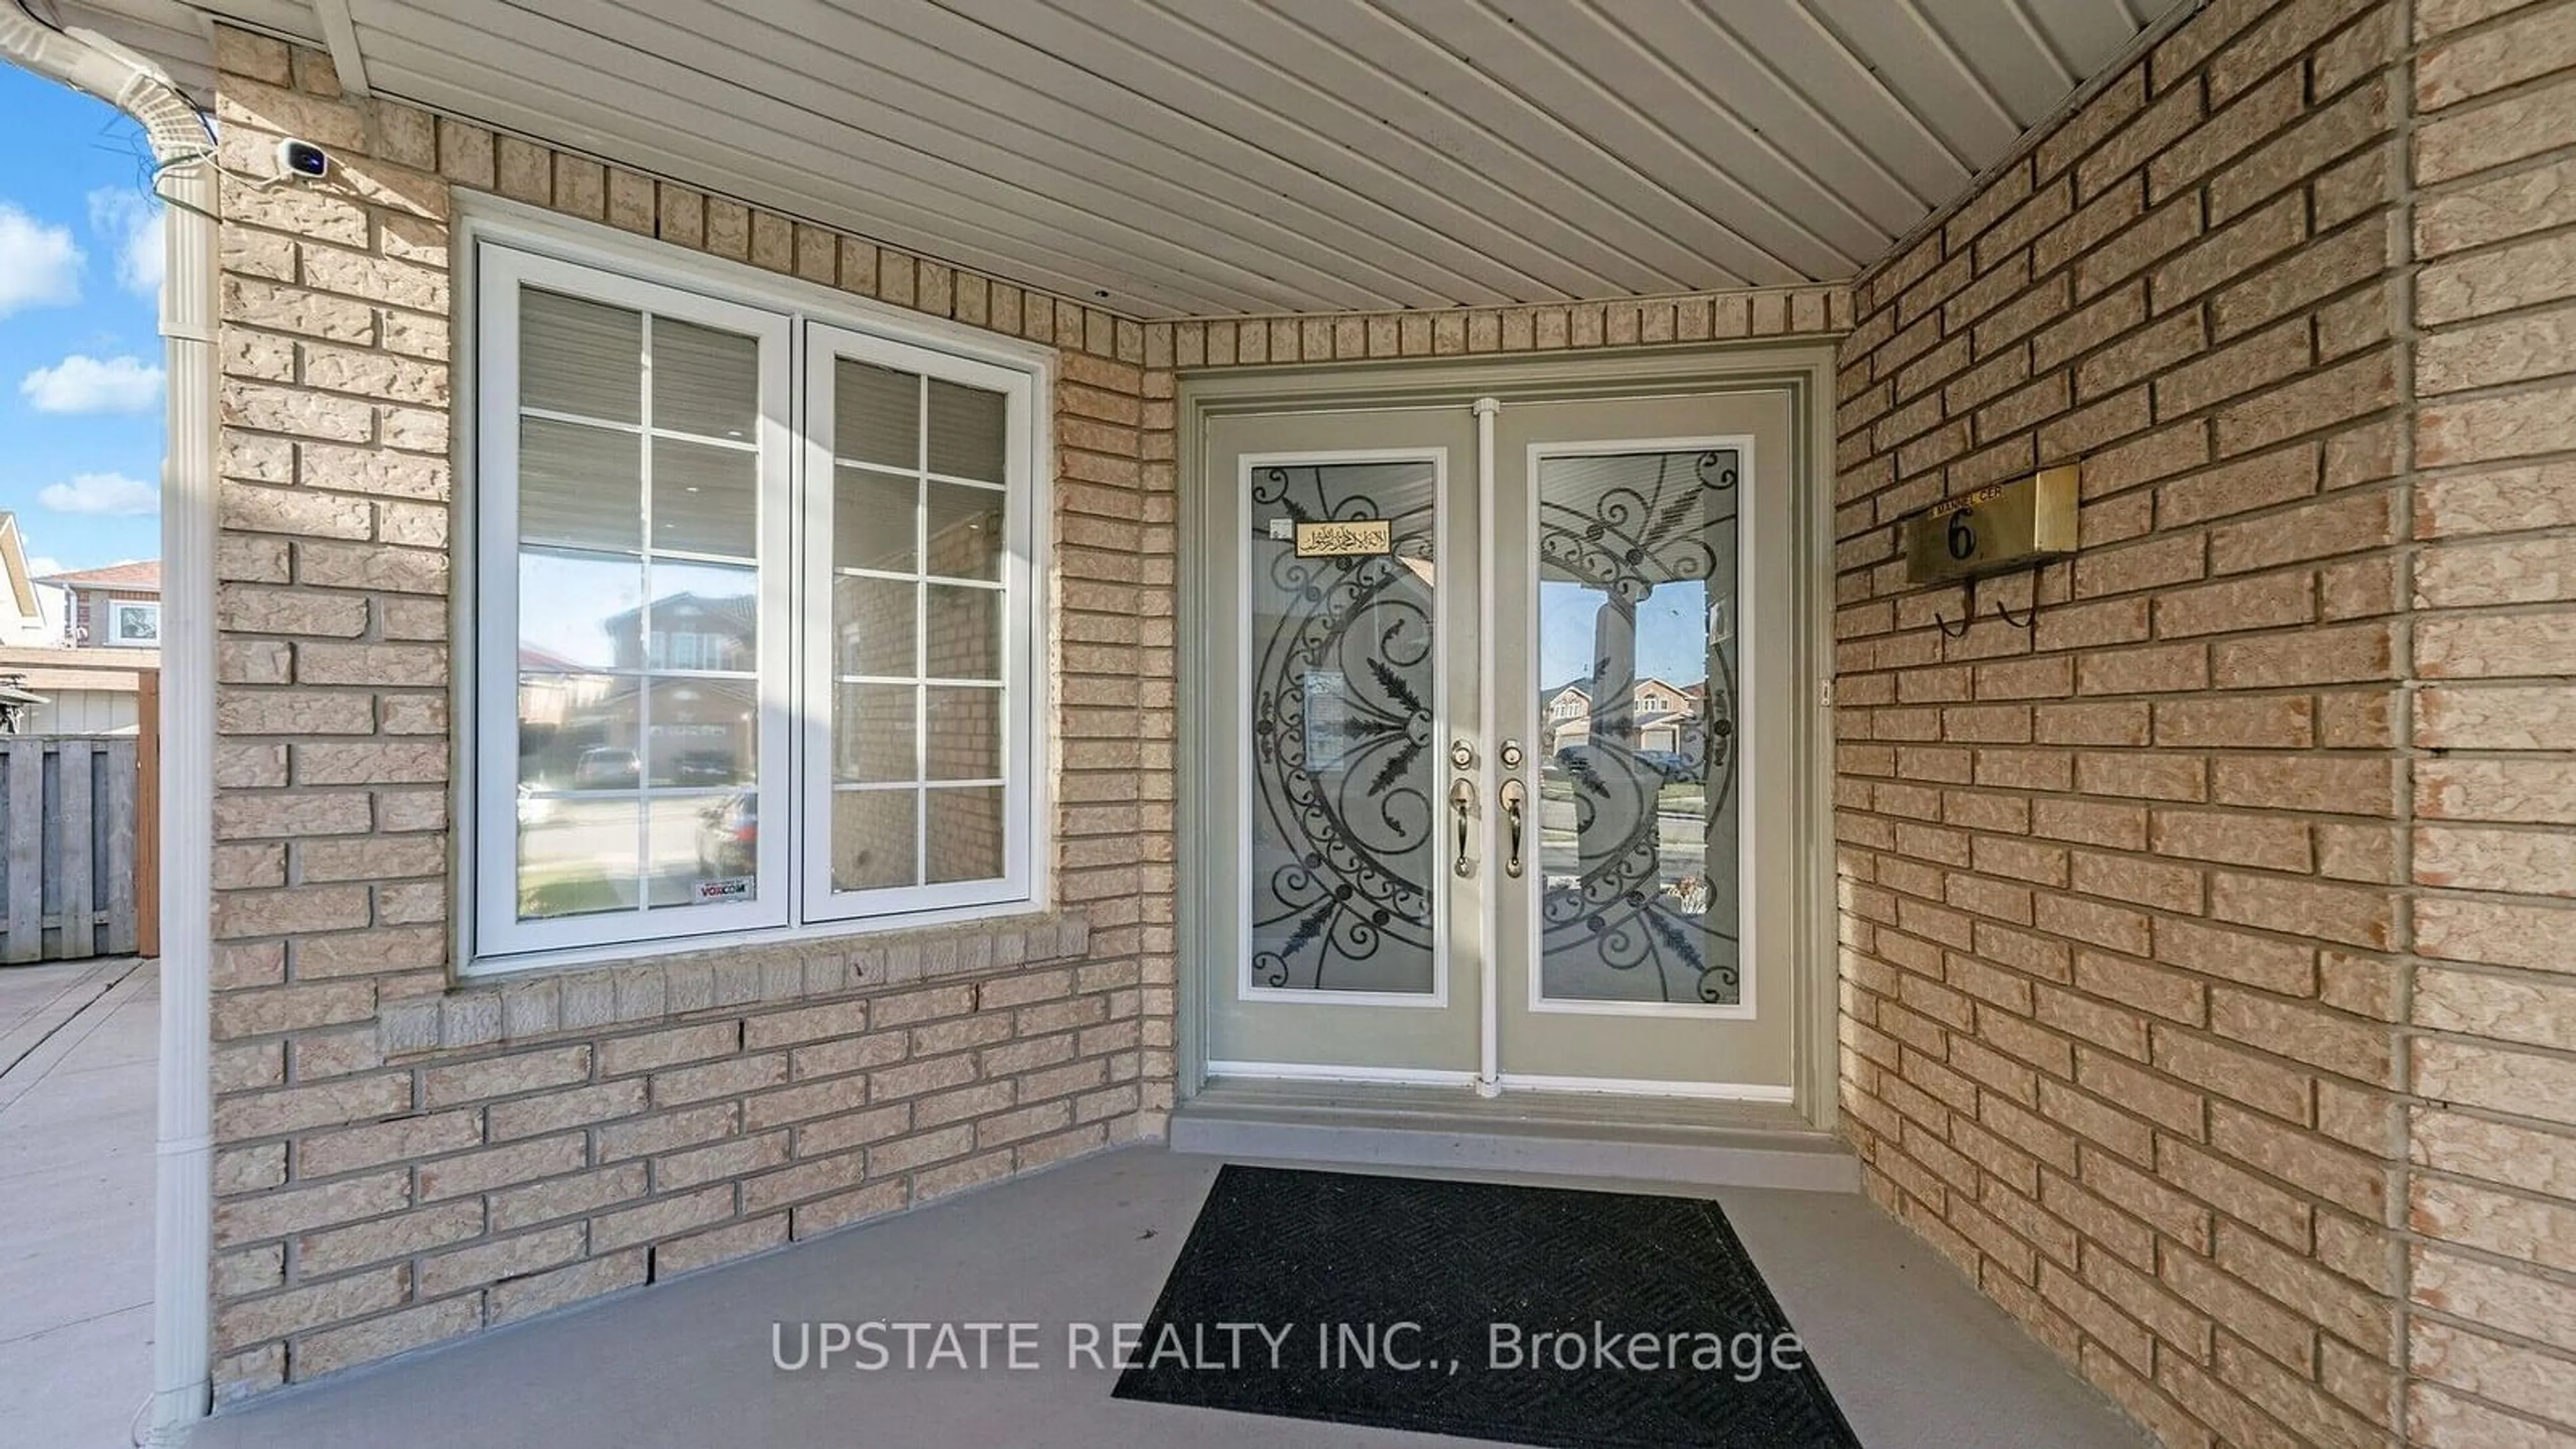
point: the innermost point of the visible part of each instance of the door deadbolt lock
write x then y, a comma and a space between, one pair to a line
1511, 755
1462, 755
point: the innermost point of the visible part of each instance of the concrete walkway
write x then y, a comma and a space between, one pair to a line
1915, 1357
78, 1041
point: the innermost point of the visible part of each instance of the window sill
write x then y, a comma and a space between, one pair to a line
554, 1001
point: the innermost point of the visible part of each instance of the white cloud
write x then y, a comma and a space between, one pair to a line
39, 264
43, 565
131, 225
107, 493
82, 384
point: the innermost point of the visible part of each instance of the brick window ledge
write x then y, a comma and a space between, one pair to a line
544, 1003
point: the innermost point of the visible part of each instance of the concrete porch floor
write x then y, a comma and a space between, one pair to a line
1916, 1359
79, 1042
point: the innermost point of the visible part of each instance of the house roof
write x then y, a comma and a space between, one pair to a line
532, 657
1274, 156
139, 576
728, 608
13, 564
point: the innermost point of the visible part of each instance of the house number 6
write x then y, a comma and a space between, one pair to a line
1962, 539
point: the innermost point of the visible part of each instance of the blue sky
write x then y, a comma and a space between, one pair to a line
1672, 633
80, 350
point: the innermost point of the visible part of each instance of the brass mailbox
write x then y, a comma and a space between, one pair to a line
1998, 527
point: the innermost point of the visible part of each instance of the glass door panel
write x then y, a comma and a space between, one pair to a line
1345, 764
1341, 941
1637, 848
1642, 607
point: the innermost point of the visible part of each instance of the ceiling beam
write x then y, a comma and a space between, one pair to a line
340, 33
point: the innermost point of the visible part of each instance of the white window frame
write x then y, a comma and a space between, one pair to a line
1022, 703
504, 246
500, 931
117, 609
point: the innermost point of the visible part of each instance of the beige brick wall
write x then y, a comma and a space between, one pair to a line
1685, 319
2490, 1201
2203, 945
398, 1161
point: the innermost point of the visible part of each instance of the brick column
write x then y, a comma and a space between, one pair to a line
2491, 1146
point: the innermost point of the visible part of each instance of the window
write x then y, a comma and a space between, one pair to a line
755, 620
133, 625
914, 552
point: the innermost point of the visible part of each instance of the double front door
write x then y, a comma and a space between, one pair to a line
1495, 780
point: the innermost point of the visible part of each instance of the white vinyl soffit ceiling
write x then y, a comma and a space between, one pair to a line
1179, 157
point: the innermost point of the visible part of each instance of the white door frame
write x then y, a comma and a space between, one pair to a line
1805, 373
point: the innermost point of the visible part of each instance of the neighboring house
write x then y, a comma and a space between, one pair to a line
696, 723
553, 689
117, 607
1656, 697
2187, 970
1567, 702
31, 610
79, 691
1661, 731
1565, 718
1659, 715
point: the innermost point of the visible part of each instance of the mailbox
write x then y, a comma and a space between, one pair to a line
2000, 527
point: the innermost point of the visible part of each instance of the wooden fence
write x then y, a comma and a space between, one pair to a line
147, 814
74, 847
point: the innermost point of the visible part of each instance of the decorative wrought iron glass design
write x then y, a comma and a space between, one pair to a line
1344, 797
1637, 782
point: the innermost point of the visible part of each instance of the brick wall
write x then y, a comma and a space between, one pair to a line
2202, 945
398, 1161
1688, 319
2490, 1200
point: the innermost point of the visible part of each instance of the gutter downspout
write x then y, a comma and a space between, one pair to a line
184, 146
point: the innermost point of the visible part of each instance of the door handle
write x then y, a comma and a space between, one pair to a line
1462, 810
1515, 797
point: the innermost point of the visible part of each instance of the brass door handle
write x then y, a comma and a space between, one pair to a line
1515, 796
1462, 810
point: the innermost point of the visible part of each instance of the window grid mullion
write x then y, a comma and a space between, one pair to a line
921, 634
644, 630
800, 632
990, 586
958, 480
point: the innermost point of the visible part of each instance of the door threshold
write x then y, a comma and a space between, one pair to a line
1578, 1136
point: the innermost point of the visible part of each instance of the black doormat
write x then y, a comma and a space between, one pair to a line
1421, 1305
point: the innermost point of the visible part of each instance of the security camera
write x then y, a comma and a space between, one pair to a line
303, 159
